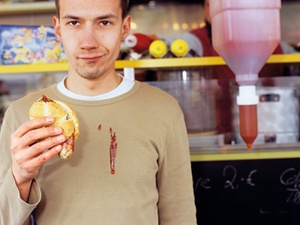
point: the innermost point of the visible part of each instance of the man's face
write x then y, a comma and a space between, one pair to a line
91, 32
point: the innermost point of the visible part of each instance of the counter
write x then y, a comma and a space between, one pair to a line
235, 186
240, 152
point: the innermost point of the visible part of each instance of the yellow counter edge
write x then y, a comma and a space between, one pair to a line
246, 155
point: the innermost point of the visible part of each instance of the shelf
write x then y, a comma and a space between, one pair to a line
240, 152
143, 64
34, 68
27, 8
252, 155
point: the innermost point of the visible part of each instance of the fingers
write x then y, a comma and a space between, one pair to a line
33, 138
27, 161
32, 131
33, 124
45, 156
51, 145
36, 141
32, 144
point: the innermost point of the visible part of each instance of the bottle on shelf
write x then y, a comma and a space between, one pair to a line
158, 49
181, 48
138, 42
165, 49
184, 45
238, 38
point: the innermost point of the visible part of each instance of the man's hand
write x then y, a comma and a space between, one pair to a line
33, 144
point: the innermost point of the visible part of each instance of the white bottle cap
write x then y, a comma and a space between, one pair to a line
130, 41
247, 95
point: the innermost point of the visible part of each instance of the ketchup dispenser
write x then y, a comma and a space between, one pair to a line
245, 33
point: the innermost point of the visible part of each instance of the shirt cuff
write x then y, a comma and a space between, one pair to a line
34, 195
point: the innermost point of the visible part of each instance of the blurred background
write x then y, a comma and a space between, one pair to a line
165, 19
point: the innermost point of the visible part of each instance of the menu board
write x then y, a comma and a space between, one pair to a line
246, 192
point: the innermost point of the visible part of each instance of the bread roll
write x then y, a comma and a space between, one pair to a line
64, 117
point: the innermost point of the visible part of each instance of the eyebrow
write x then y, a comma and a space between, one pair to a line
107, 16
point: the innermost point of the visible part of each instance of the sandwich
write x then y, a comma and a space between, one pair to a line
65, 118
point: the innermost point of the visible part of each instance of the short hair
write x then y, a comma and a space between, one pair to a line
124, 7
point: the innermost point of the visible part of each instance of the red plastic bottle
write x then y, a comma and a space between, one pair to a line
139, 43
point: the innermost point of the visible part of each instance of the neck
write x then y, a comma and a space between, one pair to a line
92, 87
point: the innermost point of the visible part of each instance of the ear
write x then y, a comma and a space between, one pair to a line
56, 25
126, 27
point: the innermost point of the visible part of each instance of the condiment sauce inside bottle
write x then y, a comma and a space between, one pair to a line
248, 124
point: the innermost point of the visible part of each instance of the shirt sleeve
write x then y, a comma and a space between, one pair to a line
13, 210
176, 195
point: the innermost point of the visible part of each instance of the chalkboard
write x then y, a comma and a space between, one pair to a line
256, 192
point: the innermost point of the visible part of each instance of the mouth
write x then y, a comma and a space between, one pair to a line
90, 58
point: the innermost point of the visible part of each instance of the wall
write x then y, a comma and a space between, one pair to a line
169, 19
27, 19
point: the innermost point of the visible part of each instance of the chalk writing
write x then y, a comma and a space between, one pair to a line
290, 178
246, 192
203, 183
233, 181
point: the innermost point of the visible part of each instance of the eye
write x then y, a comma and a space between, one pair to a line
73, 23
105, 23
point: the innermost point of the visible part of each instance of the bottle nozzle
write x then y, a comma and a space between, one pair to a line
247, 101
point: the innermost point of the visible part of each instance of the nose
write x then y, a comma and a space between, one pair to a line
89, 38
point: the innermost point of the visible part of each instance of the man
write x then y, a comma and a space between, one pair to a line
152, 183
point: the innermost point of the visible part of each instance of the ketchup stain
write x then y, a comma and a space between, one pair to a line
45, 99
113, 151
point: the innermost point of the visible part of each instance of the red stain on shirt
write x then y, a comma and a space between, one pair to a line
113, 150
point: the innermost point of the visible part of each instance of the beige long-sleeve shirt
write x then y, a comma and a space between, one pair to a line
152, 184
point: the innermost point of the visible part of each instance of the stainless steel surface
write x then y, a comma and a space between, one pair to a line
278, 112
195, 92
278, 120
